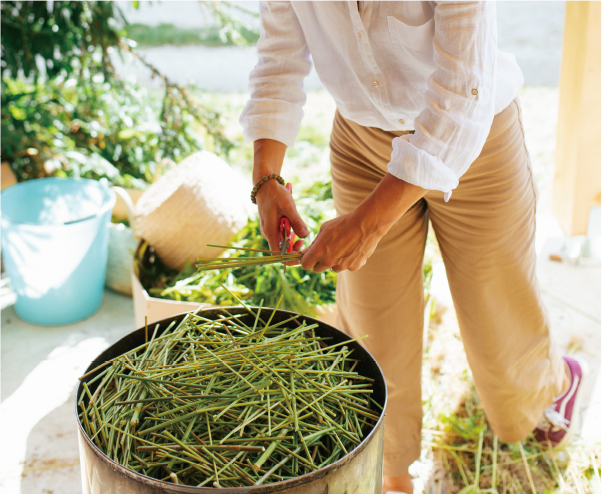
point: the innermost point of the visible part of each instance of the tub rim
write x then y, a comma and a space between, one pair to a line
280, 486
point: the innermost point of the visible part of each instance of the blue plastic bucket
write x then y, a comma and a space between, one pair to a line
55, 234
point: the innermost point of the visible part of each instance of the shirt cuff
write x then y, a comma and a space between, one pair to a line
271, 119
417, 167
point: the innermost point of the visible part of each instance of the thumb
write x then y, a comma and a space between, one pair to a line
298, 224
290, 211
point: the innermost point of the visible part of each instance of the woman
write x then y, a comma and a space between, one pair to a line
427, 127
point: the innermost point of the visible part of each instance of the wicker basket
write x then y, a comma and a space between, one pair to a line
200, 201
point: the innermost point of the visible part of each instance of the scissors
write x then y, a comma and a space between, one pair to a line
286, 234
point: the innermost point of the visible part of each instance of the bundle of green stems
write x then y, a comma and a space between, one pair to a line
229, 403
269, 257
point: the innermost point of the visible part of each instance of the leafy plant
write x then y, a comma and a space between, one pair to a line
63, 35
66, 112
168, 34
467, 454
480, 463
54, 129
233, 29
301, 290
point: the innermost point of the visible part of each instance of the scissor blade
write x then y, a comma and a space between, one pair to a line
284, 245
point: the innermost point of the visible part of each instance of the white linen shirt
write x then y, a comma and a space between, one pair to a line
429, 66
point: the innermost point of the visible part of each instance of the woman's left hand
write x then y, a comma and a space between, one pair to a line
349, 240
343, 243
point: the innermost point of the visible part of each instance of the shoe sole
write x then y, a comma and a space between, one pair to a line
575, 419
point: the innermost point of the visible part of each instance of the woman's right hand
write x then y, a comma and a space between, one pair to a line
274, 202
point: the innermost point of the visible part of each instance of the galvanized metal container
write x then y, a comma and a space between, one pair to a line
359, 472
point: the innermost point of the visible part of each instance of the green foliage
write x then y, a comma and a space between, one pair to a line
301, 290
467, 443
70, 129
168, 34
97, 129
232, 28
80, 119
467, 422
61, 33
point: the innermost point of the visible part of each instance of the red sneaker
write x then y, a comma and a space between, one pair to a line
560, 420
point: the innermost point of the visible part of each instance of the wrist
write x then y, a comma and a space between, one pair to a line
369, 221
268, 189
272, 177
387, 203
262, 171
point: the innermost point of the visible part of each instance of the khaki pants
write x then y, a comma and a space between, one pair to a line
486, 234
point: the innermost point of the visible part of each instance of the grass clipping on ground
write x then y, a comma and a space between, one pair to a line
461, 454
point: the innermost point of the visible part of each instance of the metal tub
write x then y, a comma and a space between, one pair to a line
358, 472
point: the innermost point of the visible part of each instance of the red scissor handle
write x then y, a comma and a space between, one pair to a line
285, 226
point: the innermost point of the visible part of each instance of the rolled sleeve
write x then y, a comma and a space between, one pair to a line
275, 109
460, 99
415, 166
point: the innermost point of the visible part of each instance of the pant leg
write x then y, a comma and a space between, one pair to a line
385, 298
486, 233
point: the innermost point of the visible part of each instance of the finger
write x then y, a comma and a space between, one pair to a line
320, 267
297, 246
297, 223
325, 263
273, 239
269, 231
336, 269
308, 261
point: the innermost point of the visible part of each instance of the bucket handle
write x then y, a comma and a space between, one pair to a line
129, 206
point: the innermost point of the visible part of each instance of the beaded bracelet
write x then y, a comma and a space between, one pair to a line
263, 180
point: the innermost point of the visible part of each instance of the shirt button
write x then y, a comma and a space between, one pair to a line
402, 121
474, 92
359, 34
375, 83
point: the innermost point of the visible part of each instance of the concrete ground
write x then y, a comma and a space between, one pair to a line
40, 367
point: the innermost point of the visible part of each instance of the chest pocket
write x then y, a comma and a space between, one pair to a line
414, 47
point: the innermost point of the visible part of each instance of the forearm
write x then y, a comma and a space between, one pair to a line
387, 203
268, 158
347, 241
273, 200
